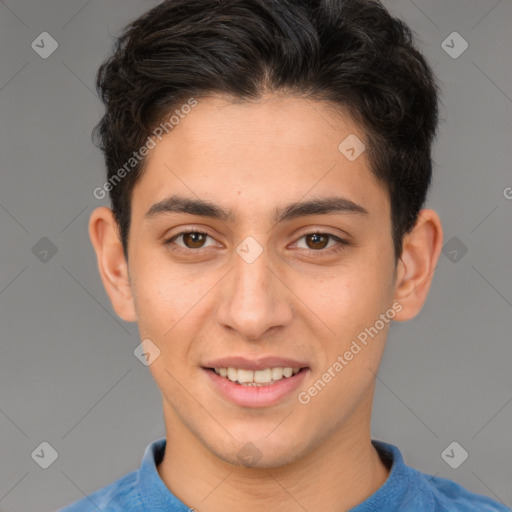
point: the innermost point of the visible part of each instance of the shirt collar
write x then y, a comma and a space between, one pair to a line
395, 488
154, 493
157, 497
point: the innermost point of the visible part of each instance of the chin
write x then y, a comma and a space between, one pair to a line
259, 451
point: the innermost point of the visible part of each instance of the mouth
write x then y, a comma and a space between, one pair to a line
256, 378
263, 387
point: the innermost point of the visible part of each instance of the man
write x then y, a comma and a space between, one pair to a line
268, 162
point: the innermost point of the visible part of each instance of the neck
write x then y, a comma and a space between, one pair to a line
337, 475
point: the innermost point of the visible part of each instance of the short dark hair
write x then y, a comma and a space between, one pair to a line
351, 53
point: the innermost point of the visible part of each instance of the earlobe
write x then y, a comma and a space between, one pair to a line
420, 253
112, 265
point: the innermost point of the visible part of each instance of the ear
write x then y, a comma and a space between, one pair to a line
104, 234
420, 252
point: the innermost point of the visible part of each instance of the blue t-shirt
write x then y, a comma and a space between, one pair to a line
406, 489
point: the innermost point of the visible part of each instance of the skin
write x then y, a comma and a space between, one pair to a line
253, 157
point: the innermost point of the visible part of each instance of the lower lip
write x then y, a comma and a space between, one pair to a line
256, 396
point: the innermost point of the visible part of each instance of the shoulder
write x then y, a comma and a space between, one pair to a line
448, 496
121, 495
408, 489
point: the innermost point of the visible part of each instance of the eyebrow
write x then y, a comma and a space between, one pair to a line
202, 208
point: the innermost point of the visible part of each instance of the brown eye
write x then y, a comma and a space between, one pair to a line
318, 243
194, 240
317, 240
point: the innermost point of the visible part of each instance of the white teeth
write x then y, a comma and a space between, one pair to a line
277, 373
245, 376
257, 377
232, 374
262, 375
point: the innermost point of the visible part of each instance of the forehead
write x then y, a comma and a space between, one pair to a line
258, 154
273, 120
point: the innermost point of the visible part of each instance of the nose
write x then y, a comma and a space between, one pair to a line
254, 299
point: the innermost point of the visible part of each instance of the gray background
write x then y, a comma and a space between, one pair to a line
68, 373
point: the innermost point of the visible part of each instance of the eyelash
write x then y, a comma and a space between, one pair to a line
319, 252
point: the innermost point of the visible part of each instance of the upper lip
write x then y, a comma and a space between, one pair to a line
254, 364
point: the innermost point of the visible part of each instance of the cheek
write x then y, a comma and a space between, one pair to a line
162, 296
350, 302
168, 309
349, 295
173, 306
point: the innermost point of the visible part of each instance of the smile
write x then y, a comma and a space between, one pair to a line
255, 388
256, 378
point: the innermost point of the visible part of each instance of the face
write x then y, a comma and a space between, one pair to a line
258, 250
254, 289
